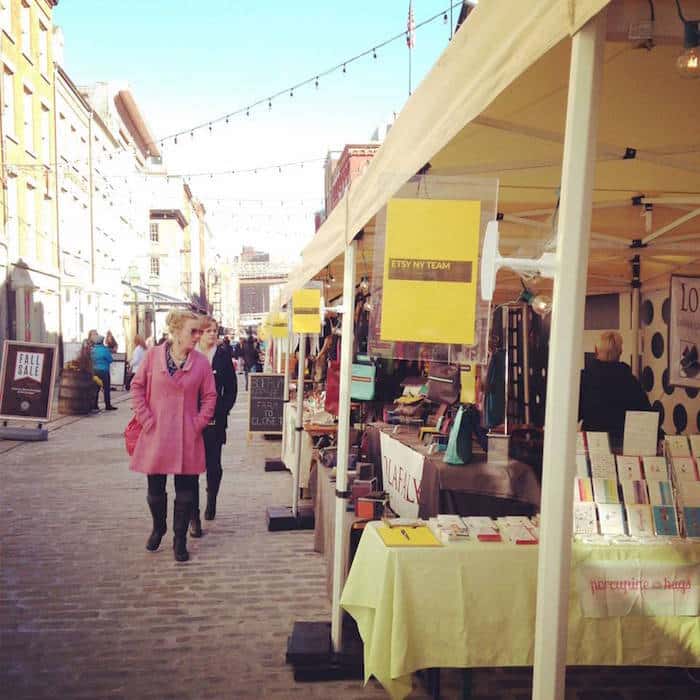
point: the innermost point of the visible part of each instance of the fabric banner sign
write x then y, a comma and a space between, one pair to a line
684, 332
621, 588
27, 380
431, 257
306, 311
402, 471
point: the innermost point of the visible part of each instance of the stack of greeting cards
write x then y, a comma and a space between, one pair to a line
642, 496
686, 476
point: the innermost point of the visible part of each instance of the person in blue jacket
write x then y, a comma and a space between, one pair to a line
101, 360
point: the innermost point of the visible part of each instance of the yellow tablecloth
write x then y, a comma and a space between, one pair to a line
471, 605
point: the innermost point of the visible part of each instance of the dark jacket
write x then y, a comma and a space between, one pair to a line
226, 389
250, 352
608, 389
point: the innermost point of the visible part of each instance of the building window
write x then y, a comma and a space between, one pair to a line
6, 16
154, 233
30, 222
26, 19
45, 135
12, 209
43, 50
8, 103
155, 267
46, 211
28, 120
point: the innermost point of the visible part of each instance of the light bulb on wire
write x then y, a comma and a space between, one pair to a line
688, 63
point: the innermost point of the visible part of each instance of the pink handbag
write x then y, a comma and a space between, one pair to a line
131, 435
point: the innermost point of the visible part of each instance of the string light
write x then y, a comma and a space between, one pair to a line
342, 66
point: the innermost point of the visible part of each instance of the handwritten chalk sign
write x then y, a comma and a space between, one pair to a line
265, 403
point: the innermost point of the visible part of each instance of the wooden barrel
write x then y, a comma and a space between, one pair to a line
76, 393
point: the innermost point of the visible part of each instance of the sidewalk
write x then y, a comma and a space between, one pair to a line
87, 613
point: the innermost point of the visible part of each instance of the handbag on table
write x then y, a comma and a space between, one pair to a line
364, 374
443, 384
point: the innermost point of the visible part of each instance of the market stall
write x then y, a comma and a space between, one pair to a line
472, 605
571, 112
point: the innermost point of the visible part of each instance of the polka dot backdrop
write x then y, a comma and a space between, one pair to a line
680, 406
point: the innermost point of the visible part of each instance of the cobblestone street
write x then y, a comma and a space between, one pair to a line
86, 612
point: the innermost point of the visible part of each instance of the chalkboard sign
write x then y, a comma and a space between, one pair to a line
265, 403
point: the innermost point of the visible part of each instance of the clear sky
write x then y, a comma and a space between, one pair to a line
189, 61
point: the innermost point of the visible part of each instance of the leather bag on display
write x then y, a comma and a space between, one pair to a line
363, 378
333, 387
444, 384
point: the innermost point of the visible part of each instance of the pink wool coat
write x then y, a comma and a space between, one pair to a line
171, 439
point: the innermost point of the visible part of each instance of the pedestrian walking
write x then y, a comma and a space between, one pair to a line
101, 360
219, 357
174, 398
251, 356
111, 342
137, 356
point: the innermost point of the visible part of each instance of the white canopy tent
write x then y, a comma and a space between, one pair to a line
553, 99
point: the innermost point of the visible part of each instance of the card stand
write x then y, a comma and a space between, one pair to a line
310, 652
281, 518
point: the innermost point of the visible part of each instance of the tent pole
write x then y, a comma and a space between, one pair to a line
551, 623
289, 345
636, 294
341, 481
525, 353
299, 424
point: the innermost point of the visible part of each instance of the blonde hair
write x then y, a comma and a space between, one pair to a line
610, 347
209, 321
176, 319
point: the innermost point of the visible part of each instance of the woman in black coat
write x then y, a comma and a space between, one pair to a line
215, 433
609, 390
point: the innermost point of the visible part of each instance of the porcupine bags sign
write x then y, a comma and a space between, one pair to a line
27, 376
430, 271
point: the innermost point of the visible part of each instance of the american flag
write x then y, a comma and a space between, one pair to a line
410, 27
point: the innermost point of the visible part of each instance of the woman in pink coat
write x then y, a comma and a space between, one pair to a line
174, 398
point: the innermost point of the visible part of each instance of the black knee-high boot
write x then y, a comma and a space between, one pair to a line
159, 509
181, 519
213, 483
195, 521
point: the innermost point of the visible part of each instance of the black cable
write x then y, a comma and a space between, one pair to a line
313, 80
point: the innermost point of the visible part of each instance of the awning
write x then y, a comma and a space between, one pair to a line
494, 104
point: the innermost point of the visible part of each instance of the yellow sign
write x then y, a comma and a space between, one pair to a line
264, 329
431, 255
306, 311
279, 324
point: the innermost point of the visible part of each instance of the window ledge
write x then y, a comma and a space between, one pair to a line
28, 57
12, 138
45, 77
8, 33
30, 153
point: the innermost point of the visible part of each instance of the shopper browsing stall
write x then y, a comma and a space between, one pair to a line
609, 389
174, 397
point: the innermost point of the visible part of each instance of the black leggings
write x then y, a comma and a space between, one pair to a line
184, 484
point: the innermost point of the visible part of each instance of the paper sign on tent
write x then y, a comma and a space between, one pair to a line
306, 311
431, 256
